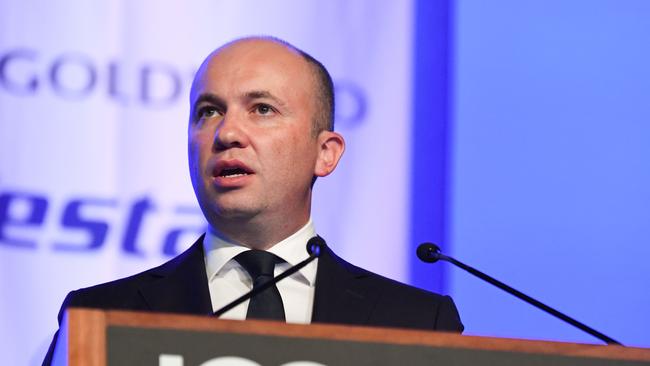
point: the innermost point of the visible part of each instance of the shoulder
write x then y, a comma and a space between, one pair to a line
124, 293
432, 310
120, 294
377, 282
395, 303
110, 294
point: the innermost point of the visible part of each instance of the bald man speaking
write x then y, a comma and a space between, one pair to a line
260, 131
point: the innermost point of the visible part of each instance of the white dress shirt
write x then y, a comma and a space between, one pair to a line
227, 279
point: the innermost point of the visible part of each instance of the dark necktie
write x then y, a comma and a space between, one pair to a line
260, 265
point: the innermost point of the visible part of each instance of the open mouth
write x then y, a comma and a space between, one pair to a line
231, 169
232, 172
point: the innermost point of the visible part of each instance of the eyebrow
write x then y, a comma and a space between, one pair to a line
210, 98
251, 95
263, 94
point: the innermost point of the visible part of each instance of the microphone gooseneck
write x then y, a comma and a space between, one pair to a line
315, 245
430, 253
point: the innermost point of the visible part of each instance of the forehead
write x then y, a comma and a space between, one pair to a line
247, 65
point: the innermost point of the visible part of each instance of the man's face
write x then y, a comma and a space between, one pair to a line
252, 153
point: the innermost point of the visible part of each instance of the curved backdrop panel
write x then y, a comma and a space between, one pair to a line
93, 130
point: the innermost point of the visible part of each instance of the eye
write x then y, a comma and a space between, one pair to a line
207, 112
263, 109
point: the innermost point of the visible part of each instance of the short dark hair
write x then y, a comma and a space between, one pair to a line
325, 115
324, 118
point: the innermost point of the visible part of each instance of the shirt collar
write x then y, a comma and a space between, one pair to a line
219, 251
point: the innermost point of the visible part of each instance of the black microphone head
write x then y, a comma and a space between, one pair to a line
315, 245
428, 252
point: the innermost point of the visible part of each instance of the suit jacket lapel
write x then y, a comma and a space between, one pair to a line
342, 296
180, 285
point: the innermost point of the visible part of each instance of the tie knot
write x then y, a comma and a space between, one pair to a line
258, 262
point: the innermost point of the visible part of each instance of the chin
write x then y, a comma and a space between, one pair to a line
234, 211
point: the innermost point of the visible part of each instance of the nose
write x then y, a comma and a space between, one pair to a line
230, 133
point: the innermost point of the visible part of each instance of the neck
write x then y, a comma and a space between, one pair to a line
257, 235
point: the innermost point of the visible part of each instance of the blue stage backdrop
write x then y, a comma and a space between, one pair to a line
550, 172
515, 135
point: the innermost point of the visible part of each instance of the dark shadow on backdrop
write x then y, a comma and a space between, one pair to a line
430, 138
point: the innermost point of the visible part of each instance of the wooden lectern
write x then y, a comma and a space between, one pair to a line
107, 338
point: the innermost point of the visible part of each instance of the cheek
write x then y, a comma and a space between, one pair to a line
198, 153
301, 159
192, 155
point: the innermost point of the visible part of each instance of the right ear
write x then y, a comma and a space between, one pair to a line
331, 146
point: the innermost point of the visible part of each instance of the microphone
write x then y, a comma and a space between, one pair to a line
430, 253
315, 245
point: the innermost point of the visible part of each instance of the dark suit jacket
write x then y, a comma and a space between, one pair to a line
345, 294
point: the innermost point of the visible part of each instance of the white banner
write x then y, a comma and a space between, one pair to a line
93, 117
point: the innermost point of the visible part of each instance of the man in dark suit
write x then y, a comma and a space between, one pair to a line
260, 133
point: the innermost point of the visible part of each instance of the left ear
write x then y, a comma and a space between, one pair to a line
330, 149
